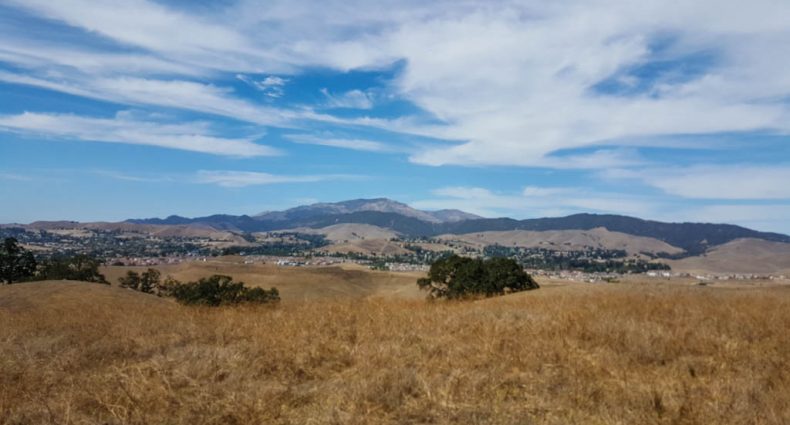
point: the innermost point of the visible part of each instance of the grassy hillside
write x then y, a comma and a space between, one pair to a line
575, 354
740, 256
294, 283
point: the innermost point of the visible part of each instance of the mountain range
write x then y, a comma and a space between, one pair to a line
691, 238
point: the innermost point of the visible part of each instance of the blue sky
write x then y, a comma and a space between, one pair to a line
112, 110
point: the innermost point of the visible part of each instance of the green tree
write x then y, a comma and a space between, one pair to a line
149, 281
131, 280
456, 277
506, 275
16, 263
79, 267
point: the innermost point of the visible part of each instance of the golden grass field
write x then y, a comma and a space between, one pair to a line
296, 284
80, 353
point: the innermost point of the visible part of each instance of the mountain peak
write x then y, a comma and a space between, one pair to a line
383, 205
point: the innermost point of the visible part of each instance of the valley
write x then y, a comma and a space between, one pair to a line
388, 235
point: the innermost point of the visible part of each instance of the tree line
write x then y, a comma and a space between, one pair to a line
18, 264
216, 290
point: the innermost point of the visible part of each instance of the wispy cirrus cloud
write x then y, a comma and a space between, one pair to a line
734, 181
193, 136
14, 177
528, 84
352, 99
179, 94
535, 201
353, 144
237, 179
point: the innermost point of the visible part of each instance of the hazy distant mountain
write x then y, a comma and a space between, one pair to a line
693, 238
358, 205
452, 215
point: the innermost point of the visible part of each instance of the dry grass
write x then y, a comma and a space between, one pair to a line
604, 354
294, 283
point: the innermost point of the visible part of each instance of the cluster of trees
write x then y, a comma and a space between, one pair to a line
148, 281
215, 290
18, 264
458, 277
78, 267
220, 290
291, 244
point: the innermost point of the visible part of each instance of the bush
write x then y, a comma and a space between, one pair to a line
456, 277
220, 290
148, 282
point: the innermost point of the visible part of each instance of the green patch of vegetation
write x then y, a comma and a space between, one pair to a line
78, 267
215, 290
458, 277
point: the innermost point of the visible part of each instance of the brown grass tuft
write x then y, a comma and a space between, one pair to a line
592, 355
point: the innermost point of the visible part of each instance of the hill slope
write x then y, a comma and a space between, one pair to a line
567, 240
69, 295
741, 256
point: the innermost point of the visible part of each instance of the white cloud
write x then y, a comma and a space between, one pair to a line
35, 55
123, 128
252, 178
353, 144
475, 200
352, 99
178, 94
272, 86
536, 201
512, 81
714, 182
157, 28
766, 217
539, 192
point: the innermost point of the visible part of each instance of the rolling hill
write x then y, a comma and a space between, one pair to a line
566, 240
746, 255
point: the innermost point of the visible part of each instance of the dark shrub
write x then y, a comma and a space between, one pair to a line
147, 282
131, 280
220, 290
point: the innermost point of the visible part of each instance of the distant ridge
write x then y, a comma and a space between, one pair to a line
693, 238
359, 205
